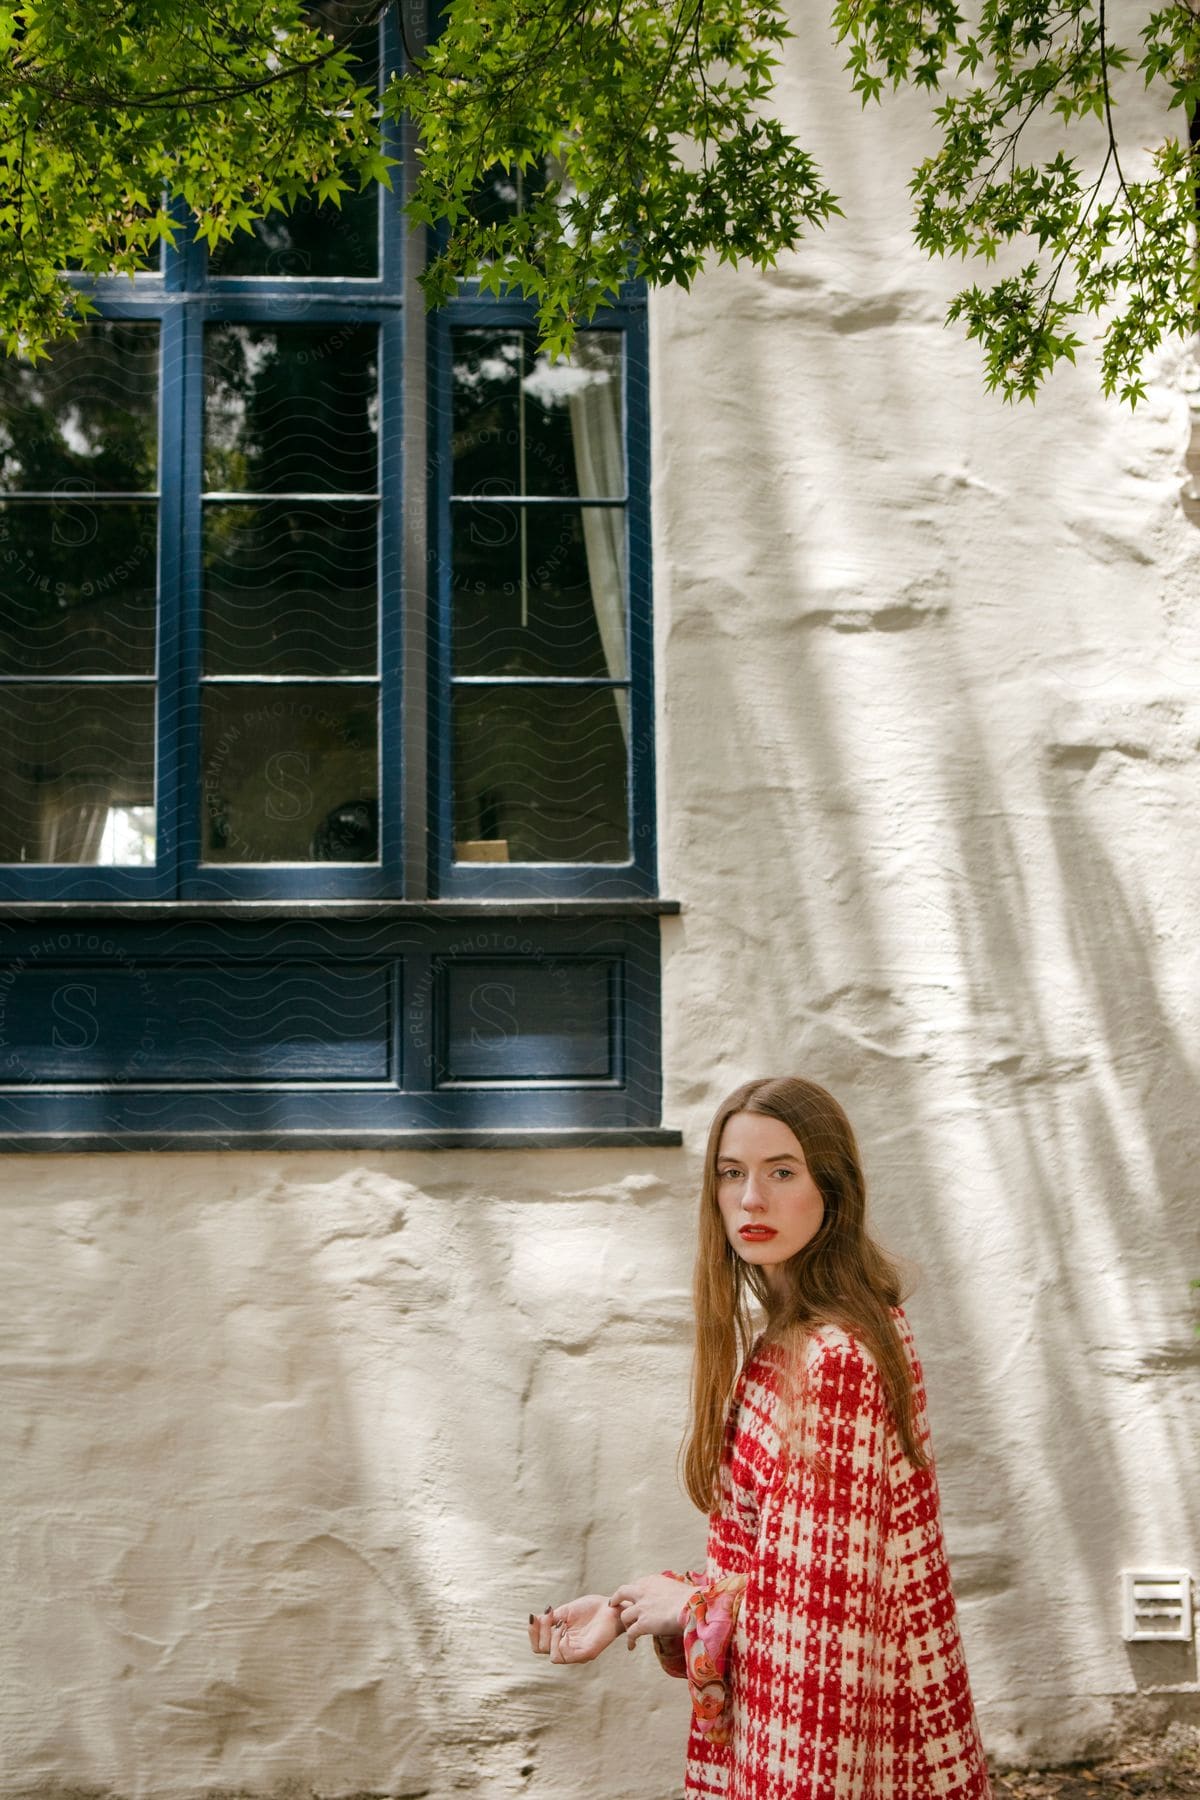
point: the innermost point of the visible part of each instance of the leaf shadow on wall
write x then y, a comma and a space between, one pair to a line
911, 974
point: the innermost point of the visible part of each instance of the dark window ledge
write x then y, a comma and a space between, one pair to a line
581, 1138
633, 907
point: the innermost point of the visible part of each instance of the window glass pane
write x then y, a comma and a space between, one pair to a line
289, 589
308, 240
539, 590
524, 425
291, 408
539, 774
85, 420
77, 773
77, 587
337, 17
289, 773
503, 193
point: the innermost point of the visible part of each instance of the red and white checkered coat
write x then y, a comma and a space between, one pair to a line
846, 1676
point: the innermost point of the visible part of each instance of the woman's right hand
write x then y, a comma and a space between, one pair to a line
576, 1632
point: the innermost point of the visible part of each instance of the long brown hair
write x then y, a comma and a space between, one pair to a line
840, 1276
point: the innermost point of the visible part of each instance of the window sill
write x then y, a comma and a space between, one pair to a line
571, 1138
634, 906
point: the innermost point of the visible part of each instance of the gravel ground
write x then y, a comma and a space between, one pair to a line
1168, 1768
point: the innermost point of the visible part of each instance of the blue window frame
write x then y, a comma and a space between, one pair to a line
326, 666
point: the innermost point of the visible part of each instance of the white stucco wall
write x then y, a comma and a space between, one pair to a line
292, 1443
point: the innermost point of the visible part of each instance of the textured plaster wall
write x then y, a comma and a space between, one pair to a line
292, 1444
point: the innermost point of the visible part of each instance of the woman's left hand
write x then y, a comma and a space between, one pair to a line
575, 1632
650, 1606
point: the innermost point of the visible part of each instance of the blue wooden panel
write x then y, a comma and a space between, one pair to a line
124, 1020
547, 1019
281, 1029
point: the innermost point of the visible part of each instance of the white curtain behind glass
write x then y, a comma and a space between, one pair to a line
596, 430
86, 832
72, 831
591, 383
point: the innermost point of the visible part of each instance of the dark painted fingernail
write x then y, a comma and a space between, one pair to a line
531, 1618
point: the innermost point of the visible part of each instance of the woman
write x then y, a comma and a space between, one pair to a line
820, 1643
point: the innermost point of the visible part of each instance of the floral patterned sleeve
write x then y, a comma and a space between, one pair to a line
700, 1654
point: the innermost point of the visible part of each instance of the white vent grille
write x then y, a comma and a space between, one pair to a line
1156, 1605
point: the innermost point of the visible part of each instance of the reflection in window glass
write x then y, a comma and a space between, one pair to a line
291, 408
525, 425
290, 589
307, 240
539, 590
78, 587
289, 773
540, 774
337, 17
85, 420
78, 597
503, 193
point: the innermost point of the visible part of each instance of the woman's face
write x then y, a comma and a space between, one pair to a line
769, 1202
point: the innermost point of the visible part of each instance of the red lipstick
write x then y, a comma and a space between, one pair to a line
757, 1234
